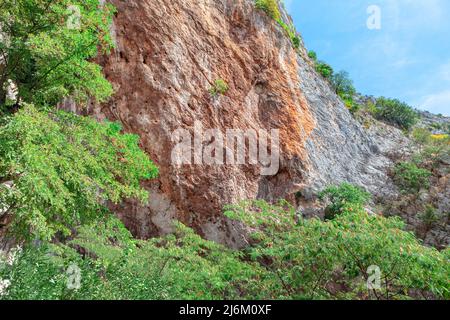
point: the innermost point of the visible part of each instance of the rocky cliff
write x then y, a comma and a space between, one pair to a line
168, 55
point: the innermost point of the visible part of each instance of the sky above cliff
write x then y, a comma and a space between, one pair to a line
407, 58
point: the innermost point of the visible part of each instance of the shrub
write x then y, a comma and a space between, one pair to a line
343, 198
313, 55
270, 7
421, 135
342, 84
291, 32
439, 136
296, 41
115, 266
324, 69
220, 87
351, 105
312, 259
395, 112
287, 258
411, 178
429, 217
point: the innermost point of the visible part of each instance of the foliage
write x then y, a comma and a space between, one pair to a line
431, 150
351, 105
343, 84
345, 197
321, 67
270, 7
292, 33
312, 55
439, 136
62, 168
115, 266
395, 112
421, 136
316, 259
430, 216
48, 49
220, 87
287, 258
410, 178
324, 69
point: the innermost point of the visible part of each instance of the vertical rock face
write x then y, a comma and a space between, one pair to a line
169, 54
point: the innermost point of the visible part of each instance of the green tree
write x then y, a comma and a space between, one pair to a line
58, 170
343, 84
395, 112
61, 168
46, 47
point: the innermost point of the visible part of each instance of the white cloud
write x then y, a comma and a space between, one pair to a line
438, 102
415, 14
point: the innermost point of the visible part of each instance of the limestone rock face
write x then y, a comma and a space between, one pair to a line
169, 54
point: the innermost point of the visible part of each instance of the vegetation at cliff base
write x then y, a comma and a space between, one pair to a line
288, 257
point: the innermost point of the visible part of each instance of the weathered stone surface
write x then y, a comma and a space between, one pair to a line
168, 55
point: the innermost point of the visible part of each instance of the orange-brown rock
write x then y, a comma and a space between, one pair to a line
169, 54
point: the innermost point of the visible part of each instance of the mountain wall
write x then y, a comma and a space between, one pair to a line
168, 55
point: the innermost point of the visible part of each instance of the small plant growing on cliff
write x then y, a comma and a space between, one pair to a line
429, 217
410, 178
270, 7
312, 55
220, 87
345, 197
324, 69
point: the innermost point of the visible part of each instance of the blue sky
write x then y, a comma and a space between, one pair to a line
408, 58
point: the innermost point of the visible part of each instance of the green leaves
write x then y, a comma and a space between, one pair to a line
47, 54
270, 7
64, 167
411, 178
316, 259
115, 266
395, 112
220, 87
345, 197
291, 258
